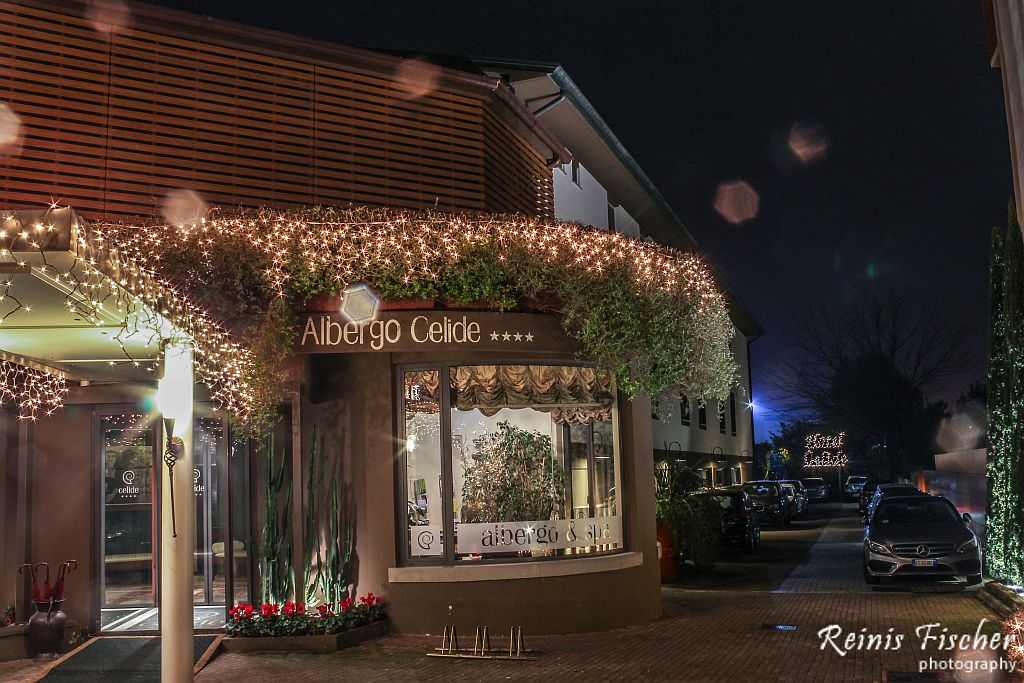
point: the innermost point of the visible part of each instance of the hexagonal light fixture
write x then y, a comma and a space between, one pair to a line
359, 303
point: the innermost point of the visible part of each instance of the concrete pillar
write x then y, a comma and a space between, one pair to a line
174, 399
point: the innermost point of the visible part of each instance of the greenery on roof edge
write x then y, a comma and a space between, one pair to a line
651, 314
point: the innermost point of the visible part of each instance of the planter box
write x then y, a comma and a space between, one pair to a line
14, 643
407, 304
329, 642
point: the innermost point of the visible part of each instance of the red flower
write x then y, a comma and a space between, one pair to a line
241, 611
369, 600
292, 609
345, 604
269, 610
324, 610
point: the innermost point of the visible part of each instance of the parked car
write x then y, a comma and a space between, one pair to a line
800, 507
853, 487
883, 491
816, 489
864, 498
770, 502
790, 495
920, 535
740, 524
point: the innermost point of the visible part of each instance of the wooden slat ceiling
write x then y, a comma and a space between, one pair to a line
112, 121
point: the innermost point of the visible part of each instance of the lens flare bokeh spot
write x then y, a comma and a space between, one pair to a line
183, 207
108, 16
416, 78
10, 132
808, 142
737, 202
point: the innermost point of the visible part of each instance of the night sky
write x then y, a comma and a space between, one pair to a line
917, 168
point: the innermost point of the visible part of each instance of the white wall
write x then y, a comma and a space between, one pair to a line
586, 202
1009, 19
625, 224
692, 438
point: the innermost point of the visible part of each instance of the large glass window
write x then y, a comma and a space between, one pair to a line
525, 455
424, 488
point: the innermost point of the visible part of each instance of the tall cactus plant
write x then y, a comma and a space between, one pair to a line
328, 548
313, 583
338, 576
276, 578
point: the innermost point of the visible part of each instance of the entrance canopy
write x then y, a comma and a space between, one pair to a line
73, 308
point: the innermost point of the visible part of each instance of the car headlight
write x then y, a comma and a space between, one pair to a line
968, 545
879, 548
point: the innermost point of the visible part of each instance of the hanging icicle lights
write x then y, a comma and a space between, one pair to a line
662, 324
358, 244
34, 392
130, 272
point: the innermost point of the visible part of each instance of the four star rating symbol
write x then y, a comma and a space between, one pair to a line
511, 336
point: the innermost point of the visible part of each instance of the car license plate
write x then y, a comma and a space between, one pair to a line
924, 563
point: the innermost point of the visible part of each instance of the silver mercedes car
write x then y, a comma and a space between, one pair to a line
920, 536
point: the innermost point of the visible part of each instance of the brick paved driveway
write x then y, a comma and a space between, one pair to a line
711, 629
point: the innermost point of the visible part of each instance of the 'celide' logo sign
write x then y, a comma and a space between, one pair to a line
433, 330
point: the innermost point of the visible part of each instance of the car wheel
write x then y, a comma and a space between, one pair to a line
973, 579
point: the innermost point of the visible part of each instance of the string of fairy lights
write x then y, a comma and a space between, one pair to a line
356, 243
34, 392
118, 275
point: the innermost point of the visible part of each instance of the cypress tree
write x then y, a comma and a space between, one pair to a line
1004, 528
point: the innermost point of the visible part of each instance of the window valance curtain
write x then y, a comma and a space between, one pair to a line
574, 394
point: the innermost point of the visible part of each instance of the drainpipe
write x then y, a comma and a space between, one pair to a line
177, 523
559, 154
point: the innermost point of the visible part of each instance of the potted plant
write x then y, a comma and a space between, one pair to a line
293, 627
687, 521
511, 477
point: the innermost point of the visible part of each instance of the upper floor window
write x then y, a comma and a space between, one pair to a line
702, 414
684, 411
611, 218
732, 411
574, 171
721, 417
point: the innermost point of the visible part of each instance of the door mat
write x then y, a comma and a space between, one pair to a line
133, 659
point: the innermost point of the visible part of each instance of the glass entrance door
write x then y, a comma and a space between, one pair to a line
128, 523
211, 557
132, 474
